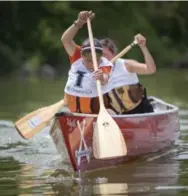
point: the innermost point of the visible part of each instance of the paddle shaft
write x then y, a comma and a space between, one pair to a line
106, 131
124, 51
93, 53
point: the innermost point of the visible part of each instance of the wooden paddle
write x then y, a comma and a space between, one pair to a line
108, 141
33, 122
124, 51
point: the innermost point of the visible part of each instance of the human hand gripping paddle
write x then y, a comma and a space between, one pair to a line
34, 122
108, 141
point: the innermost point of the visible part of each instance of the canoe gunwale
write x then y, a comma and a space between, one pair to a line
173, 109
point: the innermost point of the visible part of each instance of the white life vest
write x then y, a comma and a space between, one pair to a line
81, 82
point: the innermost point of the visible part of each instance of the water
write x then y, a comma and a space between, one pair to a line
33, 167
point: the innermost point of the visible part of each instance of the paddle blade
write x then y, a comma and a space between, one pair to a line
108, 141
33, 122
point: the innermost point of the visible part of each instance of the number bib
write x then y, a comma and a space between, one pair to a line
81, 82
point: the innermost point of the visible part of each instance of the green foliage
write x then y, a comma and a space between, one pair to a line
32, 30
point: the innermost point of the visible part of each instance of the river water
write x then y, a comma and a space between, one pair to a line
33, 167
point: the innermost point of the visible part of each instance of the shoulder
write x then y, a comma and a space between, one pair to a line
119, 62
106, 65
76, 55
77, 62
105, 62
126, 64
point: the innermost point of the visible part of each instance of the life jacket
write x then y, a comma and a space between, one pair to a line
126, 98
86, 105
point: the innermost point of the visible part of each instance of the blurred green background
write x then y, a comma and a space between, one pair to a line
30, 32
33, 72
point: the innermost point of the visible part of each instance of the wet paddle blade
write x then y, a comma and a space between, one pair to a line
33, 122
108, 141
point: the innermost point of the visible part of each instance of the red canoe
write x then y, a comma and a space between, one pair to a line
143, 134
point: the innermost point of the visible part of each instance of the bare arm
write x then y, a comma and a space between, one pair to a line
69, 34
67, 38
148, 67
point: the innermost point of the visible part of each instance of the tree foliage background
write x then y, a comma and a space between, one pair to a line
30, 32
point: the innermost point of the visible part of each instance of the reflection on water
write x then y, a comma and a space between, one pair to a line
33, 167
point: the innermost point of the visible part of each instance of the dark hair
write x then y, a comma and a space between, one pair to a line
86, 47
110, 44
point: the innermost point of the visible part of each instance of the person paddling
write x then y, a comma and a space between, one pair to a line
81, 94
128, 96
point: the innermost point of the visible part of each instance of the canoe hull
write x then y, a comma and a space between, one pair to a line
143, 134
